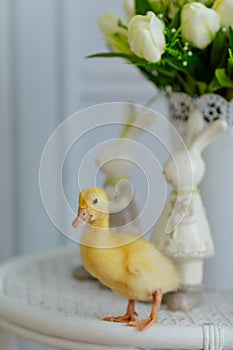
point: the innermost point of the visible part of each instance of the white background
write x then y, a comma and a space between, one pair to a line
44, 78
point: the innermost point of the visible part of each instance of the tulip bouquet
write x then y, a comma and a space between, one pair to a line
179, 45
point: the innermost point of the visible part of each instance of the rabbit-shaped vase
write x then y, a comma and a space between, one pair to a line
182, 231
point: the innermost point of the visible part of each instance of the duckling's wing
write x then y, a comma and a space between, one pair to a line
140, 256
148, 269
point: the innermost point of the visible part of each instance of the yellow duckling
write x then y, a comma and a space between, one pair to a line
132, 267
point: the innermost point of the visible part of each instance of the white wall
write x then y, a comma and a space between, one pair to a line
6, 137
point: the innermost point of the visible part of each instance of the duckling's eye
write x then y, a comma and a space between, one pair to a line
95, 201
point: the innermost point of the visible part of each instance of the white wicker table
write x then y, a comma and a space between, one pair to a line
42, 302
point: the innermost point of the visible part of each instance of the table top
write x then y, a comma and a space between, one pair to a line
40, 300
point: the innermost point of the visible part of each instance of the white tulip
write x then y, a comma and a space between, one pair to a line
225, 10
146, 36
129, 8
109, 25
199, 24
173, 7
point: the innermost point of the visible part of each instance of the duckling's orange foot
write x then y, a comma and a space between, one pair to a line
128, 317
142, 325
123, 319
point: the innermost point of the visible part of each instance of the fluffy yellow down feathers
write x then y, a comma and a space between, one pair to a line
132, 267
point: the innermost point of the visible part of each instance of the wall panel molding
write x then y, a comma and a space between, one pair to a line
7, 135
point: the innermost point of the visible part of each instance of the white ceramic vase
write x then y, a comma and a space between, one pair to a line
210, 108
217, 186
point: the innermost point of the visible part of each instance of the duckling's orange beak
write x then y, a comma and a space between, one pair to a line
83, 217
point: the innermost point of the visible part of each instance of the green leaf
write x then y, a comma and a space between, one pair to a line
201, 86
177, 64
132, 58
142, 6
218, 51
231, 38
224, 80
175, 23
159, 6
157, 77
186, 85
108, 54
121, 24
230, 64
166, 72
119, 43
194, 68
197, 69
214, 85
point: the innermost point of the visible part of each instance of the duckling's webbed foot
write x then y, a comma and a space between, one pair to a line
142, 325
129, 315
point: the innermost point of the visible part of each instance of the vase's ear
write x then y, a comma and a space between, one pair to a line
128, 112
195, 126
135, 122
208, 134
